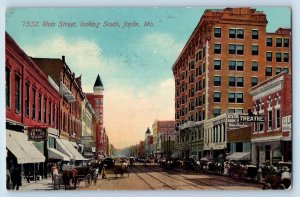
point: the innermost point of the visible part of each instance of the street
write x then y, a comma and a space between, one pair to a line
153, 177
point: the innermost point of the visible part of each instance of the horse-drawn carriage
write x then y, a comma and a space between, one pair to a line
72, 176
210, 166
277, 177
121, 168
241, 170
88, 174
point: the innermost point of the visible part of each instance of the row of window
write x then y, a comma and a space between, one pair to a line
200, 100
232, 97
280, 57
233, 65
235, 33
238, 49
273, 121
217, 111
45, 111
200, 55
239, 33
286, 42
233, 81
200, 70
269, 71
238, 65
200, 85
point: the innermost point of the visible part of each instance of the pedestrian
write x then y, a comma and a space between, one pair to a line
103, 172
8, 180
54, 172
16, 177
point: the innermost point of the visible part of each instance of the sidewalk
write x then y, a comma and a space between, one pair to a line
44, 184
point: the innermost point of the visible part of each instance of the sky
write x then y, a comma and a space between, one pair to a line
134, 63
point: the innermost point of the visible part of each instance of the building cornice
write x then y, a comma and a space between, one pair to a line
268, 88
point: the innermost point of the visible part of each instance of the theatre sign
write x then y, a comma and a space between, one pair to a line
37, 134
252, 118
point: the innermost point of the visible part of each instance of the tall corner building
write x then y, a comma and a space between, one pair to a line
96, 100
228, 52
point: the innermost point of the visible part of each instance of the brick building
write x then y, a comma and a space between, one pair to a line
96, 100
162, 130
70, 124
228, 52
271, 140
32, 101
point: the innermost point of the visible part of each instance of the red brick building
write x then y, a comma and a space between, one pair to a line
271, 139
228, 52
96, 100
70, 124
32, 100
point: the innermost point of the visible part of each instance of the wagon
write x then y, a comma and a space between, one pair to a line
281, 179
87, 174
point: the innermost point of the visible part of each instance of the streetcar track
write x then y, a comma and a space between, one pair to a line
147, 183
226, 181
187, 182
164, 183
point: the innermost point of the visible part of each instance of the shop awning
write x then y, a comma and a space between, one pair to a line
239, 156
55, 154
75, 154
74, 144
24, 150
60, 146
177, 154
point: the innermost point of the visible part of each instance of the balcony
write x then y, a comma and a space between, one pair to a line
66, 93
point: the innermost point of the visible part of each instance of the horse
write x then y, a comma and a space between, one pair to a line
237, 170
121, 169
69, 176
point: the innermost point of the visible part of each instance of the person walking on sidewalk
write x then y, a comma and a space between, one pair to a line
103, 172
16, 178
54, 172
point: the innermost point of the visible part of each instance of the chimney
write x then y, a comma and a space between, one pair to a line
63, 59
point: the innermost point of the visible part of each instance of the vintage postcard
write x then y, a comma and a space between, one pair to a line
179, 98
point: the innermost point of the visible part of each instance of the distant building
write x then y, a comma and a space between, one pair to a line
88, 129
148, 143
141, 152
96, 100
159, 127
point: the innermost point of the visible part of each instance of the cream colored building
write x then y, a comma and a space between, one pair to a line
88, 128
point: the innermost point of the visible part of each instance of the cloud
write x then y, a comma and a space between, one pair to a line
128, 109
128, 113
160, 44
82, 56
